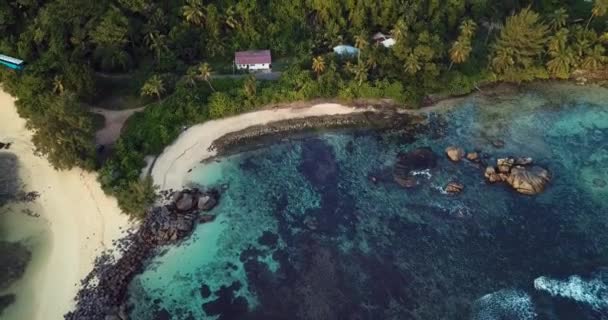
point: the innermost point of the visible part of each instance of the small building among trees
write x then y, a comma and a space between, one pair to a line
254, 60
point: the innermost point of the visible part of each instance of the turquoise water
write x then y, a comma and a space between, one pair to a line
302, 231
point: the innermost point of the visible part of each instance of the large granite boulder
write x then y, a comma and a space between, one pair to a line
454, 153
529, 180
185, 202
206, 202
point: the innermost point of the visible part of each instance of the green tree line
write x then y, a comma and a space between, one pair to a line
175, 47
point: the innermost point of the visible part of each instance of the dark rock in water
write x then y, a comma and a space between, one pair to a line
454, 153
418, 159
5, 301
597, 182
15, 258
523, 161
162, 225
204, 218
529, 180
205, 291
162, 314
268, 239
226, 304
498, 143
454, 188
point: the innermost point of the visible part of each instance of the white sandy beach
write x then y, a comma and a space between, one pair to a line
171, 167
81, 221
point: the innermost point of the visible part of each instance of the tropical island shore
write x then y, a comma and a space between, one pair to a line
81, 222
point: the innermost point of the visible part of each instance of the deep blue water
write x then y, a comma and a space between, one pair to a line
303, 231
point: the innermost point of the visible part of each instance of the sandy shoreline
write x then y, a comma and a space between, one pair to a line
192, 146
79, 219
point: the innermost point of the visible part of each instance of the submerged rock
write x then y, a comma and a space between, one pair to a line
599, 183
529, 180
454, 153
410, 162
454, 188
473, 157
498, 143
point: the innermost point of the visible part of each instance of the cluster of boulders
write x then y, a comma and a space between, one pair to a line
103, 294
520, 174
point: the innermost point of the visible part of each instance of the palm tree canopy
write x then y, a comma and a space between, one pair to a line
204, 71
522, 39
193, 12
460, 51
318, 65
559, 18
412, 64
153, 87
467, 28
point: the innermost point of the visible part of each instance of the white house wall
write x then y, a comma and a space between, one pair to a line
258, 66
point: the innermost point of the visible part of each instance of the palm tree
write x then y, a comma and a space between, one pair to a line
58, 85
600, 7
231, 21
399, 30
360, 43
491, 26
467, 28
359, 71
558, 41
558, 19
190, 77
521, 41
460, 51
560, 63
153, 87
250, 86
157, 43
204, 72
502, 60
318, 65
412, 64
594, 58
193, 12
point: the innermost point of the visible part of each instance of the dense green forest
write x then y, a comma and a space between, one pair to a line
80, 52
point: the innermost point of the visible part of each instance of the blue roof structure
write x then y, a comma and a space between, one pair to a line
346, 50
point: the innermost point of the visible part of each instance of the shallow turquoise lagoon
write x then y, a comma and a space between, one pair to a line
315, 227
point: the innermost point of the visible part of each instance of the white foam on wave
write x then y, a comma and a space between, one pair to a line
593, 292
504, 304
425, 173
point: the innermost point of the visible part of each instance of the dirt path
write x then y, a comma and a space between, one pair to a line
114, 122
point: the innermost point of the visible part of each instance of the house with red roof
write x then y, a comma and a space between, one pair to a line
254, 60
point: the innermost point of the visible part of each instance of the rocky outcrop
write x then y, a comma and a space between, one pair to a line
454, 153
103, 292
528, 180
473, 156
520, 174
454, 188
409, 162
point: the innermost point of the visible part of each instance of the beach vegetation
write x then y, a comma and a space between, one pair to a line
79, 53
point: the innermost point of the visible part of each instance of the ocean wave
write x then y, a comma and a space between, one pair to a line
593, 292
425, 173
504, 304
